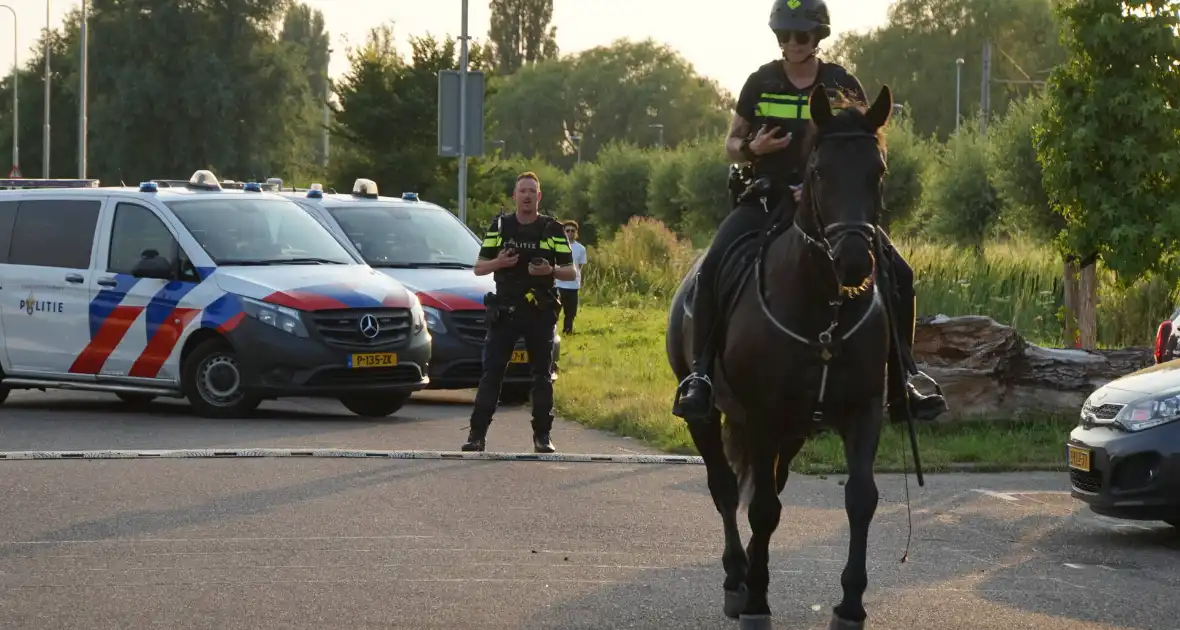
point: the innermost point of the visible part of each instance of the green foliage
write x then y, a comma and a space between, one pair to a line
959, 200
520, 33
619, 188
1109, 142
915, 52
908, 157
606, 94
1016, 173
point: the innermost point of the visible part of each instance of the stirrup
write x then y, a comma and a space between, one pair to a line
937, 387
680, 389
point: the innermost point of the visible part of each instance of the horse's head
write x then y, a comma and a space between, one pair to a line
842, 184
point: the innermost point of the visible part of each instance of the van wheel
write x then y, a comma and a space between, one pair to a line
211, 379
135, 399
374, 405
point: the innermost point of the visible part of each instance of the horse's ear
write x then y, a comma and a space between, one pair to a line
821, 107
882, 108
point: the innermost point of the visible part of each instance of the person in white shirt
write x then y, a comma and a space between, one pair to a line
568, 289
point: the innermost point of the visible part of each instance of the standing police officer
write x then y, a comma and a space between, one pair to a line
526, 251
771, 110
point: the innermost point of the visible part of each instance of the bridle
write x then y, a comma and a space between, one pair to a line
836, 232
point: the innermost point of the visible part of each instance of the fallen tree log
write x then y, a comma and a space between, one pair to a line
987, 368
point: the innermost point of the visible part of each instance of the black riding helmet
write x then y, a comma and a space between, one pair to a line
801, 15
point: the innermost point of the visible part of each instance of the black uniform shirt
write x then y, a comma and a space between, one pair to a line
769, 97
543, 238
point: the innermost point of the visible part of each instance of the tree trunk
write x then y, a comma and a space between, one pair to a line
1088, 307
1069, 335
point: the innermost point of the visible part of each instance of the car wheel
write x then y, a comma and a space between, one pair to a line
135, 399
212, 381
374, 405
515, 394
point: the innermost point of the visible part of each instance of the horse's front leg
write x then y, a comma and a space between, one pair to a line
723, 486
861, 435
764, 512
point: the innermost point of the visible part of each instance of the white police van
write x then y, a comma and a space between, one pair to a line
223, 297
430, 251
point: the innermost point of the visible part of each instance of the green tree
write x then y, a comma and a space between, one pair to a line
958, 199
908, 157
606, 94
915, 51
387, 117
1017, 175
520, 33
306, 36
1109, 142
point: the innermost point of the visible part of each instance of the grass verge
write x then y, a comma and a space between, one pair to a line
615, 377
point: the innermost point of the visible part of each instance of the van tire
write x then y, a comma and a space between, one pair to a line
374, 405
212, 366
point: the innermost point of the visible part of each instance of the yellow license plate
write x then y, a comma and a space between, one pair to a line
376, 359
1079, 458
520, 356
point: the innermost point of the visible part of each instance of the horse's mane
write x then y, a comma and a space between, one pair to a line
849, 115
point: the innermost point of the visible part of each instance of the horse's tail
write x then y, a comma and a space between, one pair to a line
733, 437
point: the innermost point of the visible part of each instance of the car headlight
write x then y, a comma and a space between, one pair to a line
281, 317
434, 320
1149, 413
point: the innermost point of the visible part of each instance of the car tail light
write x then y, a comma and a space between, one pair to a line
1161, 340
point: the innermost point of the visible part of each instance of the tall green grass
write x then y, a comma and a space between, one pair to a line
1017, 284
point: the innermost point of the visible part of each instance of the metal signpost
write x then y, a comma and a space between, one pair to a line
460, 107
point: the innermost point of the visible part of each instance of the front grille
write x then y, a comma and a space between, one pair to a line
1086, 481
398, 374
343, 327
1103, 412
471, 325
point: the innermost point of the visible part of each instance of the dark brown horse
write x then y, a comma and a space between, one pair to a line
806, 346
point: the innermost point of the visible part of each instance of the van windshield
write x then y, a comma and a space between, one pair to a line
250, 231
389, 235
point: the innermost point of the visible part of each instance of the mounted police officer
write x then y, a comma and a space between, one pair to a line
771, 110
525, 251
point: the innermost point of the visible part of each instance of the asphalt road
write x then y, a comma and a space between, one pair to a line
354, 543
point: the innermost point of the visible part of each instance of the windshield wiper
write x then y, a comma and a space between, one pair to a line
422, 265
280, 261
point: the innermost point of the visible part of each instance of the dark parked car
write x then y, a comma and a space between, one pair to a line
1124, 456
1166, 337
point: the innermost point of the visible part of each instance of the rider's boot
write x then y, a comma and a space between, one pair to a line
695, 401
923, 407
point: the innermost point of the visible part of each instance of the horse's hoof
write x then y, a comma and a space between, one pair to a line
838, 623
735, 602
755, 622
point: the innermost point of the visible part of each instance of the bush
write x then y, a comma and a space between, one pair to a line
959, 204
643, 263
908, 156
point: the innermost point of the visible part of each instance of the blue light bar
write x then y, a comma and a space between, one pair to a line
252, 187
148, 187
409, 196
315, 192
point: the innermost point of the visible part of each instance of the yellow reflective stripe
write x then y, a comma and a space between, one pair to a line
561, 248
782, 110
790, 98
547, 244
491, 241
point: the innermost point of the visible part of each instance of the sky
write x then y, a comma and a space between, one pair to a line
727, 54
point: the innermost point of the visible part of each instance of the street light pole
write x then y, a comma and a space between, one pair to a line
82, 99
958, 89
45, 134
660, 127
15, 93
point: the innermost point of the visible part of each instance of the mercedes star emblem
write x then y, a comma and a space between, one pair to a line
369, 326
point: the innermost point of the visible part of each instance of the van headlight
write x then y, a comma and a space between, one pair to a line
281, 317
1149, 413
434, 320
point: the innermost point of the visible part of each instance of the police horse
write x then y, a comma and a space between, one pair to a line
808, 339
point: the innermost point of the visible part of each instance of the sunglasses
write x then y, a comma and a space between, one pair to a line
800, 37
